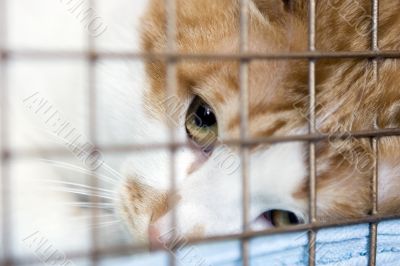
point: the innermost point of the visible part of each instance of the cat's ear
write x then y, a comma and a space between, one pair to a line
275, 10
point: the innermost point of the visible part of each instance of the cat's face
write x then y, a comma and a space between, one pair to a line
205, 110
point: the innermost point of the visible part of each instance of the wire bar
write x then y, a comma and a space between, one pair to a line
374, 200
174, 56
139, 147
92, 129
171, 87
375, 140
244, 116
6, 192
311, 129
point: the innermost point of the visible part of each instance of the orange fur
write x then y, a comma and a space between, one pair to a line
278, 90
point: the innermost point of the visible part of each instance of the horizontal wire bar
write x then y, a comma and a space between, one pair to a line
120, 250
142, 147
93, 55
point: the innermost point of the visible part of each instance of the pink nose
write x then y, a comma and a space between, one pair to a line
155, 241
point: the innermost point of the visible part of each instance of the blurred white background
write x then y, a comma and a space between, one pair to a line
40, 202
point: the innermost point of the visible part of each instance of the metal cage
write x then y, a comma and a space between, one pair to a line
172, 57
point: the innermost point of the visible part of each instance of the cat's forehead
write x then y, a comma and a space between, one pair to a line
212, 27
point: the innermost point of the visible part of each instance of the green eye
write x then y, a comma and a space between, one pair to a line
201, 124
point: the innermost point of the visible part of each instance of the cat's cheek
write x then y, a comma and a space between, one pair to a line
192, 222
207, 205
189, 225
198, 161
199, 156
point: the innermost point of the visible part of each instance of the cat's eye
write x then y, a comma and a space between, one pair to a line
201, 124
281, 218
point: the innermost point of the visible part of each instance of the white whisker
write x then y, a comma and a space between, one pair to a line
101, 225
108, 168
78, 185
98, 205
89, 217
112, 171
83, 192
64, 165
107, 223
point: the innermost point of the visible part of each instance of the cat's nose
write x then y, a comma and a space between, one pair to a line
141, 205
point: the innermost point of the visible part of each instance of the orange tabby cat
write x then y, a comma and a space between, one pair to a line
205, 109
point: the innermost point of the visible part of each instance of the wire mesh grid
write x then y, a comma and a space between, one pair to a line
172, 57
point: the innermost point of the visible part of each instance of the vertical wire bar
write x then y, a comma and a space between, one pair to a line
375, 140
6, 229
311, 113
92, 127
374, 184
244, 116
171, 86
5, 158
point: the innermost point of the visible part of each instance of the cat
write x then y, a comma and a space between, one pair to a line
204, 110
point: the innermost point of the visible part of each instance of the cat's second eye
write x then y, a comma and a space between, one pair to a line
201, 124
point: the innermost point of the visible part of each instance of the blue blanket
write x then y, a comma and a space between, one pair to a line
347, 245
